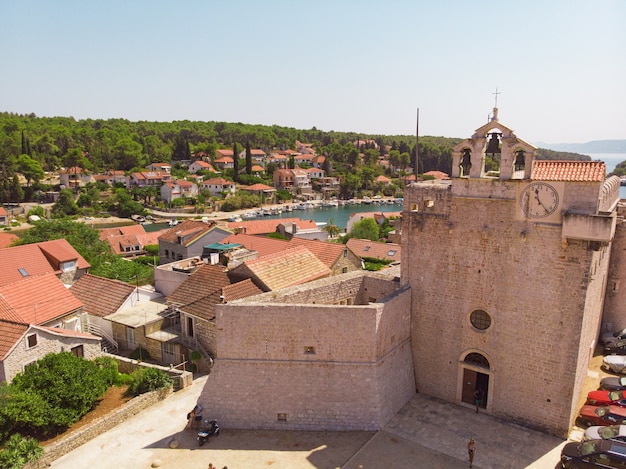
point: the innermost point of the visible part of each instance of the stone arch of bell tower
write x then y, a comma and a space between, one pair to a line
516, 155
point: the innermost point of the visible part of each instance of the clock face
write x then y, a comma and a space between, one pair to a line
539, 200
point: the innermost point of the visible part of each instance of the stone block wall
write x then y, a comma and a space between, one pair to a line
315, 367
475, 252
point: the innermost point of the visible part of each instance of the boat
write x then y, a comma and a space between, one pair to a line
235, 218
138, 218
288, 208
173, 222
249, 215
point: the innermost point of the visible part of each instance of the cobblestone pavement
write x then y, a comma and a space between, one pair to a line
426, 433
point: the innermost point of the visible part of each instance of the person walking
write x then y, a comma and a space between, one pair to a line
478, 398
471, 449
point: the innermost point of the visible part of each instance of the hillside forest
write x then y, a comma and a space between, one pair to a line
30, 146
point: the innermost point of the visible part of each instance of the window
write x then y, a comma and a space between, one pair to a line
130, 336
477, 359
345, 253
391, 253
78, 351
344, 270
167, 253
31, 340
309, 350
480, 320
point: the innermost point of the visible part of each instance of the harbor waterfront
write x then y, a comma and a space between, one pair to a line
321, 215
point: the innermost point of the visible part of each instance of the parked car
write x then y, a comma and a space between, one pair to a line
607, 398
608, 337
615, 364
594, 453
602, 415
613, 384
616, 348
610, 432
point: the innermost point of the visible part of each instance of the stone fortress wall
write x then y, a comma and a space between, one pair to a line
307, 364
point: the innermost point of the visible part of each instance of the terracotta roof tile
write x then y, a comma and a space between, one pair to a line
293, 266
6, 239
580, 171
367, 248
36, 259
39, 299
205, 280
261, 244
254, 227
101, 296
328, 253
189, 230
239, 290
10, 333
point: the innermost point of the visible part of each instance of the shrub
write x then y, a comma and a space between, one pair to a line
149, 379
19, 451
108, 368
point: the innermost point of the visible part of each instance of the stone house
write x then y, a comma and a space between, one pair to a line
188, 239
195, 299
337, 257
4, 217
364, 248
225, 162
23, 344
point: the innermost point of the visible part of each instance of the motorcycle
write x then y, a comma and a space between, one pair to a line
208, 429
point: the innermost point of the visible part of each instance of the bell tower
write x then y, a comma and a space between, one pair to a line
494, 151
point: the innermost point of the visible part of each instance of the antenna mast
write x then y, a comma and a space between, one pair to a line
417, 133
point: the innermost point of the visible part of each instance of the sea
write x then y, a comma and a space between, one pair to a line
339, 215
611, 160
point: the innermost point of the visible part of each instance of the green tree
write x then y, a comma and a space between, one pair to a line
364, 229
69, 385
235, 162
16, 192
65, 205
248, 158
30, 169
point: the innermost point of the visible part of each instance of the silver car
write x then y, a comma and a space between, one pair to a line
610, 432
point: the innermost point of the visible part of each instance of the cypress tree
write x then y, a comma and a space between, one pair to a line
248, 158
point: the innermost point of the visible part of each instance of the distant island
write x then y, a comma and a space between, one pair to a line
595, 146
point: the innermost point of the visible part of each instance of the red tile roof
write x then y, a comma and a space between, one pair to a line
579, 171
254, 227
293, 266
328, 253
101, 296
205, 280
367, 248
36, 259
10, 333
39, 299
189, 230
6, 239
261, 244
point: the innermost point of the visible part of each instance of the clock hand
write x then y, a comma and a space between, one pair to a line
539, 200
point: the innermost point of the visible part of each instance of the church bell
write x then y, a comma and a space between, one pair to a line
493, 146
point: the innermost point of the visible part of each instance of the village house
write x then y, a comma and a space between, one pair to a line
364, 248
218, 186
200, 165
112, 177
129, 240
258, 156
4, 217
22, 344
148, 178
160, 167
179, 189
75, 177
194, 300
188, 239
265, 192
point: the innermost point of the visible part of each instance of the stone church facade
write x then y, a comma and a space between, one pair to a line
508, 272
501, 289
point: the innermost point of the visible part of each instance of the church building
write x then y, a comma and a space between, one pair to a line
508, 265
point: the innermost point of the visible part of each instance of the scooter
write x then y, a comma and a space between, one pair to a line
208, 429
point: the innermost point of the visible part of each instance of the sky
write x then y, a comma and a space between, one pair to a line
559, 66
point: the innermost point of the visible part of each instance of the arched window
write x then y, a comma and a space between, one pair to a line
476, 359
